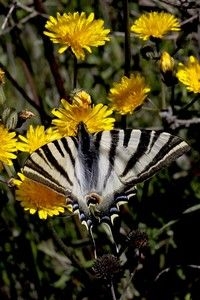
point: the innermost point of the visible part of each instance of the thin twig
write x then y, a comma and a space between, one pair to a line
75, 72
128, 283
112, 291
12, 7
166, 270
190, 103
48, 50
18, 87
127, 47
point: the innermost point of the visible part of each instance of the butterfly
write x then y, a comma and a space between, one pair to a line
98, 172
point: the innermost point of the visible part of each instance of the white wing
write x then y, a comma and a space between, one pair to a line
127, 157
53, 165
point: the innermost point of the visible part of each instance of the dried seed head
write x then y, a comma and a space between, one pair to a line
138, 239
106, 266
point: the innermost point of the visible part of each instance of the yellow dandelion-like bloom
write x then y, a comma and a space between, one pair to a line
68, 116
36, 197
7, 146
128, 94
155, 24
77, 32
189, 74
36, 137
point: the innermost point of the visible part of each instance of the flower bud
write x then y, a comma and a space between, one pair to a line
166, 62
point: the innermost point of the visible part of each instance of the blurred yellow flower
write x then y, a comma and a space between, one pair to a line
155, 24
76, 31
189, 74
2, 74
7, 146
36, 197
36, 137
128, 94
68, 116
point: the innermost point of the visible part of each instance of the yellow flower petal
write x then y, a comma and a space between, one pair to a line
189, 74
7, 145
128, 94
77, 32
36, 197
68, 116
155, 24
36, 137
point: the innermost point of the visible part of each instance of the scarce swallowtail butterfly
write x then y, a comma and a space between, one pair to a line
98, 172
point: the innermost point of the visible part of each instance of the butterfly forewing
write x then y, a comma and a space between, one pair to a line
136, 155
53, 165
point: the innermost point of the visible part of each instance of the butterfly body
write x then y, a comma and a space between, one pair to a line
97, 172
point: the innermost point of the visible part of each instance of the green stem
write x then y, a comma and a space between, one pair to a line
127, 50
172, 98
190, 103
66, 250
75, 72
128, 283
10, 170
163, 97
127, 47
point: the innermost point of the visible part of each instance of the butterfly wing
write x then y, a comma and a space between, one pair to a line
128, 157
53, 165
62, 166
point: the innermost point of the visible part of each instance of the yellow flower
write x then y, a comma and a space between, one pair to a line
189, 74
7, 146
36, 197
81, 98
68, 116
155, 24
166, 62
36, 138
128, 94
76, 31
2, 74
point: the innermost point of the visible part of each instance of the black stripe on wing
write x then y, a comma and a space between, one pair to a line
97, 142
114, 139
58, 147
37, 173
172, 148
47, 164
34, 170
55, 163
141, 149
127, 136
168, 153
67, 148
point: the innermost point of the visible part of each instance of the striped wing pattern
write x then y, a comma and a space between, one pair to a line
98, 172
53, 165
